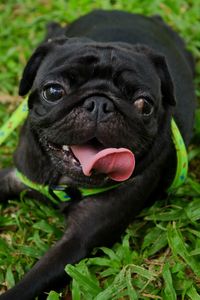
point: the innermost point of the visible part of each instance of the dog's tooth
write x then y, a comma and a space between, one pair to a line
75, 162
65, 148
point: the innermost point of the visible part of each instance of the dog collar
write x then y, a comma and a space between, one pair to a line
18, 116
59, 193
182, 158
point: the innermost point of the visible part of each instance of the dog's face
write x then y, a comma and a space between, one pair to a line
96, 95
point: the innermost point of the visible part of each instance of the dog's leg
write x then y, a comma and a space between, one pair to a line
10, 185
92, 222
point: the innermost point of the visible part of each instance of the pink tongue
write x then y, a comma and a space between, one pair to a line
118, 164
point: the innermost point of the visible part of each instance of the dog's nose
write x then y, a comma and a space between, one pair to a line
100, 108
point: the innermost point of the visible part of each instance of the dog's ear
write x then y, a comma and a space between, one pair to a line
35, 61
160, 63
167, 86
31, 68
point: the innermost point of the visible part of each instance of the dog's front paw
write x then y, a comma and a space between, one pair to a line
10, 186
13, 296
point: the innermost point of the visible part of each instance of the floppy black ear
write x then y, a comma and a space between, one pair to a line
35, 61
160, 63
31, 68
167, 86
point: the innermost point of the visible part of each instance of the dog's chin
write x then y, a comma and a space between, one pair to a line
65, 162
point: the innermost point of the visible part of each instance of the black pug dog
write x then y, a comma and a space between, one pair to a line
102, 95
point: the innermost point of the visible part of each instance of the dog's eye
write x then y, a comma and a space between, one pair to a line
143, 106
53, 92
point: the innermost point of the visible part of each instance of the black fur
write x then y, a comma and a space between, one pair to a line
114, 57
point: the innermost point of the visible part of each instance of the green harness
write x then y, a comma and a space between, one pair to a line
59, 193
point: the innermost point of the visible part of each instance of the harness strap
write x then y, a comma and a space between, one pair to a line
59, 193
182, 158
18, 116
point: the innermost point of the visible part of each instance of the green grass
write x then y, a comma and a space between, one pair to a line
159, 255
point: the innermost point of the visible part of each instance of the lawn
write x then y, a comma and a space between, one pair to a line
159, 255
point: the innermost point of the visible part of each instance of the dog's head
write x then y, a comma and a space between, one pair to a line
88, 98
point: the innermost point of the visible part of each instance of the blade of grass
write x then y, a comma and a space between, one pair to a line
169, 292
53, 296
178, 248
83, 280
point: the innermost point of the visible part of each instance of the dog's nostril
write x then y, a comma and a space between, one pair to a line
107, 107
91, 106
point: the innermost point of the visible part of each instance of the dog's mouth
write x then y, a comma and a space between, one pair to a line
92, 158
